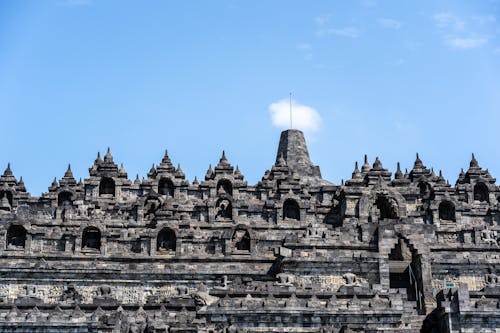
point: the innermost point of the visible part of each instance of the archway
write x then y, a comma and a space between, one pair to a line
481, 192
224, 209
387, 207
291, 210
64, 198
405, 272
16, 237
447, 211
166, 241
91, 238
166, 187
107, 186
224, 186
425, 191
241, 240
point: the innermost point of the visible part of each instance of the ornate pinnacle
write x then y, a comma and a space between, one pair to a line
108, 157
473, 162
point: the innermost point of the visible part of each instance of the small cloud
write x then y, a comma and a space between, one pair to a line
389, 23
304, 46
306, 50
304, 117
465, 43
448, 21
496, 51
484, 19
323, 20
350, 32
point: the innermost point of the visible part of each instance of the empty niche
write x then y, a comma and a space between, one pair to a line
107, 186
91, 238
291, 210
16, 237
447, 211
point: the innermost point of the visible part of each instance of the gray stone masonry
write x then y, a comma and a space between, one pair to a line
293, 253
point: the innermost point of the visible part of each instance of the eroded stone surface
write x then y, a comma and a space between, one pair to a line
292, 253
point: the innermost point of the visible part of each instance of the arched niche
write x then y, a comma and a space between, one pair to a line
166, 187
224, 186
151, 205
447, 211
481, 192
107, 186
291, 210
425, 191
224, 209
91, 238
16, 237
335, 215
241, 240
387, 207
166, 241
64, 198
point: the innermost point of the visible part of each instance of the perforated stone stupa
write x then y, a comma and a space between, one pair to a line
293, 253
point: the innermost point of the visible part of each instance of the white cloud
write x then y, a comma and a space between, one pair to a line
304, 117
496, 51
304, 46
322, 20
350, 32
389, 23
465, 43
448, 21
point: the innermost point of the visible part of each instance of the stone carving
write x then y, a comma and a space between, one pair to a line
292, 252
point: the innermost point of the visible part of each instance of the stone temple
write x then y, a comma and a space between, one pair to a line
293, 253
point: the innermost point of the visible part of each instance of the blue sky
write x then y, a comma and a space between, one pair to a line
386, 78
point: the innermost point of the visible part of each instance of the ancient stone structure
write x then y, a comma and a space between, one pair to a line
292, 253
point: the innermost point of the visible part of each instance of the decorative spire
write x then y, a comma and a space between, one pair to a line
8, 171
398, 174
366, 166
122, 170
209, 174
418, 163
20, 184
54, 182
377, 165
356, 174
165, 164
223, 159
237, 173
152, 172
440, 177
137, 181
68, 173
108, 158
473, 162
166, 158
179, 173
98, 159
195, 181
